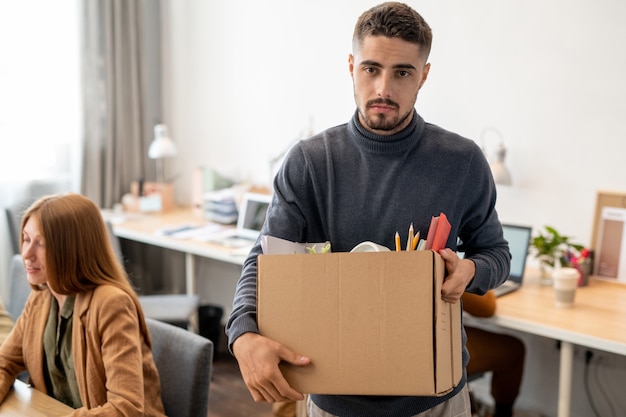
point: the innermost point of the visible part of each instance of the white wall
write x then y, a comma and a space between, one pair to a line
243, 79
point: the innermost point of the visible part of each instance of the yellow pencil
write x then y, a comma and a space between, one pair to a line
416, 240
398, 244
409, 241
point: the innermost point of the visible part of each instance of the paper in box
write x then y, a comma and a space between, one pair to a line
372, 323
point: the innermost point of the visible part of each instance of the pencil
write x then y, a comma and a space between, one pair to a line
416, 240
398, 244
409, 241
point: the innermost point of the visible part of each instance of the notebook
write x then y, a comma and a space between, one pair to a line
249, 222
519, 239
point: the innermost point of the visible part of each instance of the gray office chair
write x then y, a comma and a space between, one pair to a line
185, 363
19, 288
179, 309
14, 214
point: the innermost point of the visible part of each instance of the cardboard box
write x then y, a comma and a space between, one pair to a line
372, 323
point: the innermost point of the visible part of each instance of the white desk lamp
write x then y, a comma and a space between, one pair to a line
161, 147
499, 170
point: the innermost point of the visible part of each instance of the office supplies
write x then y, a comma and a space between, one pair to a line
150, 197
518, 238
273, 245
398, 244
416, 240
249, 222
409, 240
438, 232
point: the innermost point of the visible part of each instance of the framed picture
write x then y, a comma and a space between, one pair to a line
608, 239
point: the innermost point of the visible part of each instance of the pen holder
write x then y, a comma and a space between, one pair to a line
584, 268
155, 196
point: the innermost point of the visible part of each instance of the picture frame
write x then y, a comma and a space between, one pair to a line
608, 238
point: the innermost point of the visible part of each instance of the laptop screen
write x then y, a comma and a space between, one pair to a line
519, 239
252, 214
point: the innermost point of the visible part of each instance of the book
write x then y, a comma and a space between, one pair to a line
438, 233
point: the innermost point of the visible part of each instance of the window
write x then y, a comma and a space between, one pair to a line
40, 112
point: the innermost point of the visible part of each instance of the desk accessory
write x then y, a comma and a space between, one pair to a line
501, 174
161, 147
608, 239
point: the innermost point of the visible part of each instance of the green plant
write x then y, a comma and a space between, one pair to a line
550, 245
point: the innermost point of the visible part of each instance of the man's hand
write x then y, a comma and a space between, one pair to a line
258, 359
460, 273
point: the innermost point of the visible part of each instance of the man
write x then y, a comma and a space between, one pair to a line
383, 170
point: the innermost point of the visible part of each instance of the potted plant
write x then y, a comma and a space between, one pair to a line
548, 247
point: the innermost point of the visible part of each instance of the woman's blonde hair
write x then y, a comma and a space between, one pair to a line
79, 253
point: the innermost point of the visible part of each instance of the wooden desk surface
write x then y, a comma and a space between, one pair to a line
25, 401
596, 320
142, 227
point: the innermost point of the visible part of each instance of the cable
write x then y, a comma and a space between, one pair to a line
588, 356
603, 389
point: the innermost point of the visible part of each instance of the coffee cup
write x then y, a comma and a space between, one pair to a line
565, 282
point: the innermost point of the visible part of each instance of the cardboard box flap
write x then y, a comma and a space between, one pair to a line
365, 319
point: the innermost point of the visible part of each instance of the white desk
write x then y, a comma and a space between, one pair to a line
143, 228
595, 321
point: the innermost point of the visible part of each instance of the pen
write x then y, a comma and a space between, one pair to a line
398, 244
409, 241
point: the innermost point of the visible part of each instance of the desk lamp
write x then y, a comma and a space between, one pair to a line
161, 147
500, 172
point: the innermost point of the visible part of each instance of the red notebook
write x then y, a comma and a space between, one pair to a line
438, 233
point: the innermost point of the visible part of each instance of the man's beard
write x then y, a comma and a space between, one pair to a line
382, 121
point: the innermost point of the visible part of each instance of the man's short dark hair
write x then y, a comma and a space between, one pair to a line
394, 20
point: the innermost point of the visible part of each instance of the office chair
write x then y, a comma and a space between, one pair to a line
185, 363
14, 221
179, 309
18, 287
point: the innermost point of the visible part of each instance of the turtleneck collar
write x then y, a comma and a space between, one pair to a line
399, 142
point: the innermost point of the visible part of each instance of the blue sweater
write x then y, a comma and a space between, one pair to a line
348, 185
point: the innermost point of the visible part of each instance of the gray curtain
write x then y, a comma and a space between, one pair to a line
121, 94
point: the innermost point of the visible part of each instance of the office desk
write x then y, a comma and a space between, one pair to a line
25, 401
143, 228
595, 321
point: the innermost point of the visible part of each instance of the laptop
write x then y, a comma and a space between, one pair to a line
249, 222
519, 240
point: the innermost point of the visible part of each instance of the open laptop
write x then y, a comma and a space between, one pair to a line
519, 239
249, 222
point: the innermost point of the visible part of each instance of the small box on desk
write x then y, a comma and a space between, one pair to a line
372, 323
155, 196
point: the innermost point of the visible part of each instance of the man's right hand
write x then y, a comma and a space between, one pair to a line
258, 359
